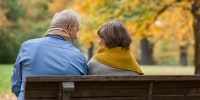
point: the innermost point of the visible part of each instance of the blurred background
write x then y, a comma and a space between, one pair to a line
165, 33
161, 30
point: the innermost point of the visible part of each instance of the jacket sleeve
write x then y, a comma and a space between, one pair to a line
16, 78
82, 64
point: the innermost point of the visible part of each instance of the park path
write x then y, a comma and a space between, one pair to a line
8, 97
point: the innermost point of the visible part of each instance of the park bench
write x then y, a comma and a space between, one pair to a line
146, 87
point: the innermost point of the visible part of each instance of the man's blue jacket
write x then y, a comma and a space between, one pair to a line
51, 55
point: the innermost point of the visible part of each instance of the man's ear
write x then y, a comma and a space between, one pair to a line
70, 27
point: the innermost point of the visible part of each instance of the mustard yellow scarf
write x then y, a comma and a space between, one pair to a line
117, 58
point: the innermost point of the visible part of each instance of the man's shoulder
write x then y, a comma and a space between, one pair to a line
32, 41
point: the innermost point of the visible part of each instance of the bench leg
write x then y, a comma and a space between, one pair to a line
150, 91
67, 87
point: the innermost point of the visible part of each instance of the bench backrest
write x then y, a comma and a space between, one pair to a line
179, 87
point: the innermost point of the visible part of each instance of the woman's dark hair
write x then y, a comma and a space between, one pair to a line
115, 34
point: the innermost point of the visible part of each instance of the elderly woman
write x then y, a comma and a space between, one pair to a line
53, 54
114, 56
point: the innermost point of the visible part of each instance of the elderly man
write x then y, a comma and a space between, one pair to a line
53, 54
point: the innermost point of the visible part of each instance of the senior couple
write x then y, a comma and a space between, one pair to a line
55, 54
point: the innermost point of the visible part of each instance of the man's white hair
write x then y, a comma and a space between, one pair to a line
64, 18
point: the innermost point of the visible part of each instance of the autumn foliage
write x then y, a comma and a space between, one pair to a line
154, 20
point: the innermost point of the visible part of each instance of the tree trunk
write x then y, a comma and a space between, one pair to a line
146, 52
183, 55
90, 50
196, 25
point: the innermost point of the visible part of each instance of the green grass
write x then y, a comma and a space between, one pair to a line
5, 75
6, 71
168, 70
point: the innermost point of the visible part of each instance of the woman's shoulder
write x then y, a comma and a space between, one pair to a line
92, 62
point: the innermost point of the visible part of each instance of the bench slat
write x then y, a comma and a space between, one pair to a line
113, 87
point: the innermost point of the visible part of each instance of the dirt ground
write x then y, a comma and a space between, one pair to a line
8, 97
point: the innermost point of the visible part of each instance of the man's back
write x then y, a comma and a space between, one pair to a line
52, 55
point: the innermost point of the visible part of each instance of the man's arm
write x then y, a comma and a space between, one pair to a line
16, 79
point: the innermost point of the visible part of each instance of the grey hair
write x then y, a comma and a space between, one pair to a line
64, 18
